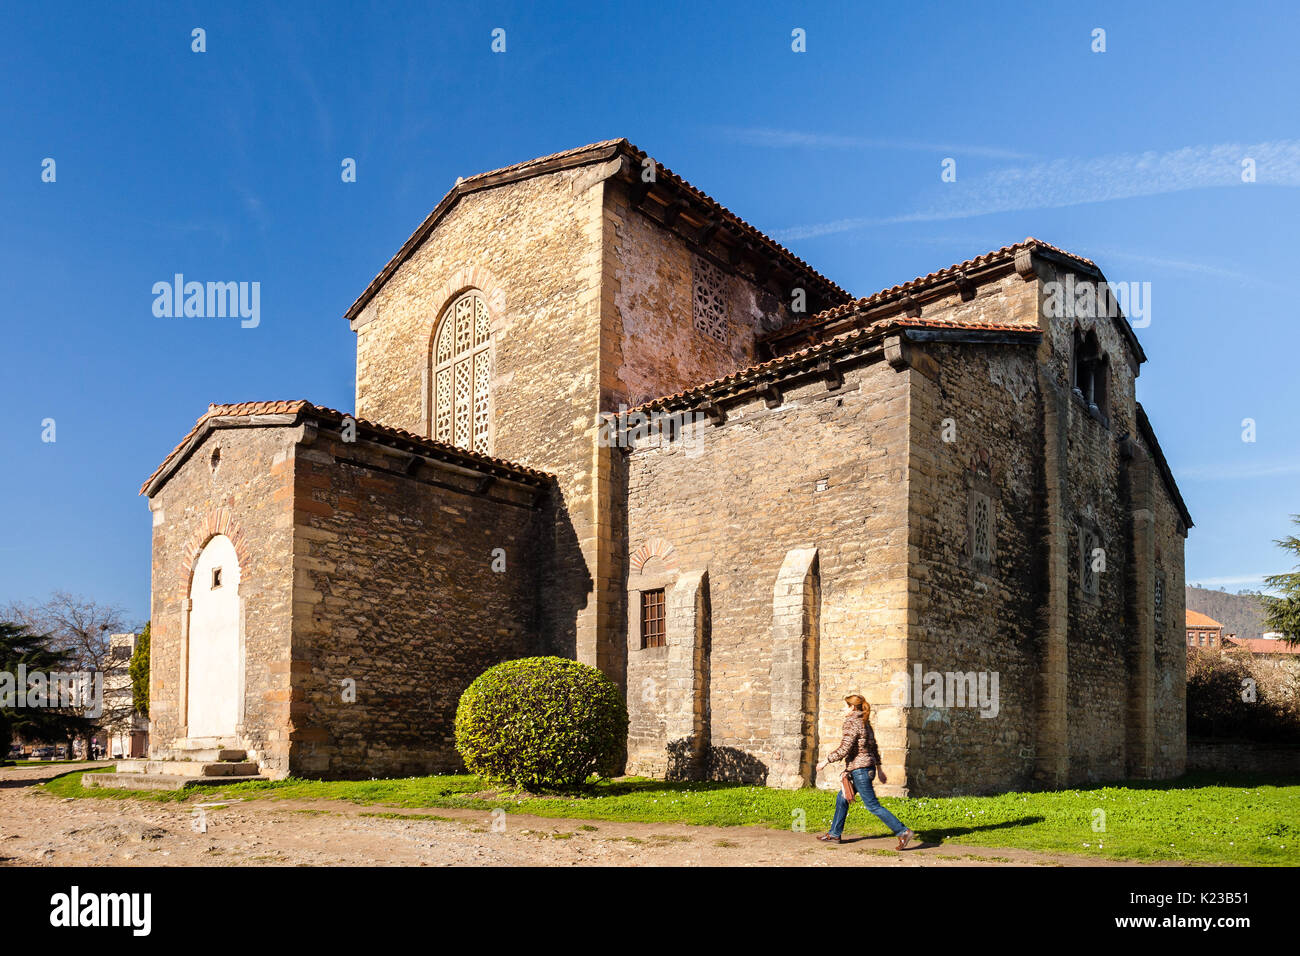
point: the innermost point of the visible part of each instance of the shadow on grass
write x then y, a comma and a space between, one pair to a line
606, 788
1201, 779
935, 836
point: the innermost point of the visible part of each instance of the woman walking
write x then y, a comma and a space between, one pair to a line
862, 763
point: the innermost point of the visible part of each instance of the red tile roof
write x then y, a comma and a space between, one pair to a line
301, 408
1197, 619
865, 334
922, 282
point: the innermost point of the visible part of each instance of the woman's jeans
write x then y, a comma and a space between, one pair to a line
862, 781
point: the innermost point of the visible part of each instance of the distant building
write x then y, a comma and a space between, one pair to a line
127, 731
1270, 645
1204, 631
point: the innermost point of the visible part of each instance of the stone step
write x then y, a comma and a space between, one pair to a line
188, 768
206, 755
158, 781
204, 743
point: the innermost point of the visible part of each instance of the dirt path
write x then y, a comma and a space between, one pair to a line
39, 829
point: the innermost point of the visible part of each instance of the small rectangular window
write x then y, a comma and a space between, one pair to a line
652, 618
216, 578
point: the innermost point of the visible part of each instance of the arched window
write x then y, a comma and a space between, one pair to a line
460, 374
1091, 371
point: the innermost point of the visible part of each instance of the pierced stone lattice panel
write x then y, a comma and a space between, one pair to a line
981, 536
710, 306
462, 375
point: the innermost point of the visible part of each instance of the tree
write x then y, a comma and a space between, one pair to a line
21, 648
139, 671
1282, 613
81, 630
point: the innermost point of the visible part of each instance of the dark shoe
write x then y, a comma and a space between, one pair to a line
829, 838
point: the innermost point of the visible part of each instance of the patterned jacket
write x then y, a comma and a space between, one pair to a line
858, 748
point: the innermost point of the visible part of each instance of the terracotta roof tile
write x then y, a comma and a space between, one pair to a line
737, 221
541, 160
301, 406
912, 285
1197, 619
864, 333
1265, 645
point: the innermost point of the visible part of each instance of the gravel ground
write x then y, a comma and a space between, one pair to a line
39, 829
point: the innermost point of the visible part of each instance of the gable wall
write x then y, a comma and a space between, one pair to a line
252, 488
1100, 631
537, 243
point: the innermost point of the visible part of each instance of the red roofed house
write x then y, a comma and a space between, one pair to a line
601, 416
1204, 631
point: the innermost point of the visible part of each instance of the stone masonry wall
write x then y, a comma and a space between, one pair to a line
652, 347
975, 430
248, 496
535, 250
1100, 635
1170, 673
734, 500
395, 590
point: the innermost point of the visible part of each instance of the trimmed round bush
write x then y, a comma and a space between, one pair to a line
542, 723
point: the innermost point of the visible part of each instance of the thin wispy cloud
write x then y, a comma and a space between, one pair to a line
1245, 471
767, 138
1073, 182
1188, 266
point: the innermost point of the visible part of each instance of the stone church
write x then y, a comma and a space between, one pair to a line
599, 415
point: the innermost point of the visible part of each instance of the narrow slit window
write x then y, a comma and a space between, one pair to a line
1160, 603
216, 578
1089, 568
652, 618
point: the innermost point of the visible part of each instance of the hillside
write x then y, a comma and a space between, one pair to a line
1239, 614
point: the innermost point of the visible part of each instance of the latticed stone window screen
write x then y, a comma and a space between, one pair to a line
461, 370
982, 532
710, 300
1160, 602
1088, 573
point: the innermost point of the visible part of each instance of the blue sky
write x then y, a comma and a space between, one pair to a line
225, 165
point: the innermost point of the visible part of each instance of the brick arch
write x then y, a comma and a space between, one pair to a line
654, 548
471, 277
218, 521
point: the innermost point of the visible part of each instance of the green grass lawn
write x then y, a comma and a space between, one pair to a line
1196, 819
